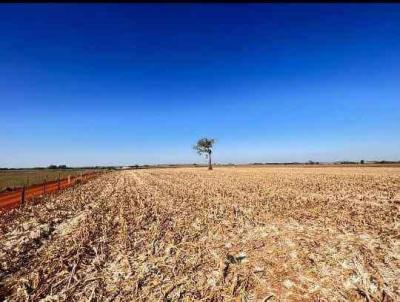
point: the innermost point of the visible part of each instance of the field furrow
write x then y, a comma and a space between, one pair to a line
255, 234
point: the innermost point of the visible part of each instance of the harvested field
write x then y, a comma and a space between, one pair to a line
241, 234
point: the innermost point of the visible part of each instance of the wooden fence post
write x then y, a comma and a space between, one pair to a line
23, 195
44, 186
59, 182
69, 180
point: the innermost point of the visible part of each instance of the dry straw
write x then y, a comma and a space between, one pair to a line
243, 234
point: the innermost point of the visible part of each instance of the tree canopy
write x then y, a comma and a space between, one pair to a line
204, 146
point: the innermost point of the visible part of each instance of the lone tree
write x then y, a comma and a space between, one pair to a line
204, 146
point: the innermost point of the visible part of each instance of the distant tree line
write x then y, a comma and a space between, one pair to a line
57, 167
310, 162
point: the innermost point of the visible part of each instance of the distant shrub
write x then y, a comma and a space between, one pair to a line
57, 167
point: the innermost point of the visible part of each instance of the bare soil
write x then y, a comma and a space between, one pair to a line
231, 234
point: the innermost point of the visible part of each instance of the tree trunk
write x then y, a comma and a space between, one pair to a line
209, 161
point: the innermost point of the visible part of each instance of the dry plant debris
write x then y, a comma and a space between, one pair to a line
232, 234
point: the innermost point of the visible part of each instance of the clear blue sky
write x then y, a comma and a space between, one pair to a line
126, 84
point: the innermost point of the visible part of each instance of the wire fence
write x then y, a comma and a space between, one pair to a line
18, 197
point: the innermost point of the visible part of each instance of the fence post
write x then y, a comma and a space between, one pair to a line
69, 180
59, 182
23, 195
44, 186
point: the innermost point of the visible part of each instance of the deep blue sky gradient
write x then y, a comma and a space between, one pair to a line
125, 84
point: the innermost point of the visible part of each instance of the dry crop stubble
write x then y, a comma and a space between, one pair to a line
250, 234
